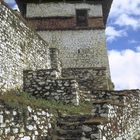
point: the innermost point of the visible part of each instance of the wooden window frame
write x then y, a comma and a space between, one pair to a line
79, 14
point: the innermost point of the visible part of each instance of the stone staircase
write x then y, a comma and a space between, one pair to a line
68, 128
76, 127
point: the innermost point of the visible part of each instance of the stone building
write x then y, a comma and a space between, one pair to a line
76, 27
26, 60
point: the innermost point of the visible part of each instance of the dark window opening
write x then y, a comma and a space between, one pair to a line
78, 50
82, 17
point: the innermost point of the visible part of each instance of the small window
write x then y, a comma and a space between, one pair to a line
81, 17
78, 50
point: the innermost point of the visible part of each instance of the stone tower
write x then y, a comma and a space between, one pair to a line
76, 27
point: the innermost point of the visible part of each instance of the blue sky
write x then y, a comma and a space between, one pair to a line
123, 43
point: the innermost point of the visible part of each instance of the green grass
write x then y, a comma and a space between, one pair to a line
18, 99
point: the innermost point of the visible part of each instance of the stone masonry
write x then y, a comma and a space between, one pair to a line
89, 78
26, 59
114, 116
45, 84
20, 48
56, 23
24, 124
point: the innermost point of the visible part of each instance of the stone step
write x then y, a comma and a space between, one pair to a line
63, 138
69, 133
73, 118
66, 123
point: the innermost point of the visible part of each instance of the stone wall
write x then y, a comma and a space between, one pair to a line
114, 116
121, 110
55, 61
88, 78
46, 84
77, 127
20, 48
79, 48
24, 123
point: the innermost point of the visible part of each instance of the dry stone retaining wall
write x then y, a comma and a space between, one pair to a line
24, 124
88, 78
77, 127
47, 84
121, 109
114, 116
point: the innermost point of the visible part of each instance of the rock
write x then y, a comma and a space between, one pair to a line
30, 127
1, 119
26, 138
86, 128
15, 130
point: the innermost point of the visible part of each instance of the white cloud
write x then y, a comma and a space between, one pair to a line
129, 7
133, 41
125, 20
113, 34
138, 48
125, 68
126, 13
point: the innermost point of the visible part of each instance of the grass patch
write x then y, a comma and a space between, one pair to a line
19, 99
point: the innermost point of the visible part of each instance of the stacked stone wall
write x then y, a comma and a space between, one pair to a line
24, 123
114, 116
20, 48
47, 84
121, 109
55, 61
79, 48
88, 78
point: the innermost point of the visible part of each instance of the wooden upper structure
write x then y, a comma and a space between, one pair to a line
106, 4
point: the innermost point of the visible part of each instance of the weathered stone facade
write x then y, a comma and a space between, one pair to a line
89, 78
46, 84
20, 48
24, 124
121, 109
79, 46
114, 114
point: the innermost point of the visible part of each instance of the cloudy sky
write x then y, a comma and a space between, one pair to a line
123, 42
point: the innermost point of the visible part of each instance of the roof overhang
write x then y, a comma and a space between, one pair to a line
106, 9
106, 5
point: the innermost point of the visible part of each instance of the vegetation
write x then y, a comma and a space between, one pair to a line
18, 99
